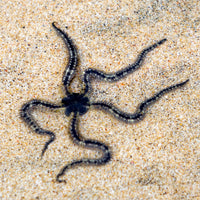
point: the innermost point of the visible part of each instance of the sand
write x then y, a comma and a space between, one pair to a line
156, 158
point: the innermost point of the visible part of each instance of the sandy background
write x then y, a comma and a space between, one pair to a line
156, 158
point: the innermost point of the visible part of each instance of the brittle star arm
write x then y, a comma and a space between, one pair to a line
26, 115
121, 73
92, 144
140, 112
73, 58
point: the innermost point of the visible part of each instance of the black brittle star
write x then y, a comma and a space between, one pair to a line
77, 104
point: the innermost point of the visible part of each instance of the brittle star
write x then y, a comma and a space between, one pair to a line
77, 104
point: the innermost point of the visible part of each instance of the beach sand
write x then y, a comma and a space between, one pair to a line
156, 158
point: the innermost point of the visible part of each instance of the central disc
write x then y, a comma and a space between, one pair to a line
77, 103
